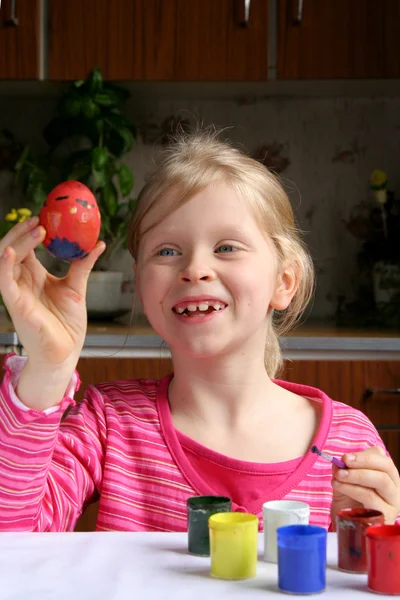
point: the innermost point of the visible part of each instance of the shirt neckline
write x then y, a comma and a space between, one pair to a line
200, 485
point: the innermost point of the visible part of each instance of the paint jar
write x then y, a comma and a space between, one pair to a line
199, 510
383, 559
301, 559
278, 513
233, 545
351, 525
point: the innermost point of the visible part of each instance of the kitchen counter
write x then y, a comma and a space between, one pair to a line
311, 341
307, 342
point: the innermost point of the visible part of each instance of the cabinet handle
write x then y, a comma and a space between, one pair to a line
245, 16
298, 17
12, 21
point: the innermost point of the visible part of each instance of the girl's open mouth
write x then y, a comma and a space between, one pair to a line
198, 309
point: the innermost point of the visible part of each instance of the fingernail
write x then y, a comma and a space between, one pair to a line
31, 220
350, 457
37, 232
343, 473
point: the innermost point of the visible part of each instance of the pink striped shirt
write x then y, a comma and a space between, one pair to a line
119, 443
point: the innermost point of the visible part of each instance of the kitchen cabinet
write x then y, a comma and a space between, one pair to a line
90, 33
338, 39
204, 40
19, 39
342, 380
174, 40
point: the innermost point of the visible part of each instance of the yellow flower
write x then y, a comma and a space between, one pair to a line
378, 179
24, 212
12, 215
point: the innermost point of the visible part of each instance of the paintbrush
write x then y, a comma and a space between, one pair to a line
332, 459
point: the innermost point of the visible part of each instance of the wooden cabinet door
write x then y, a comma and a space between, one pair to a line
205, 40
19, 39
338, 39
164, 40
84, 34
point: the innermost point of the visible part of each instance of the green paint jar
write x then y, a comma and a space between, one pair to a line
199, 510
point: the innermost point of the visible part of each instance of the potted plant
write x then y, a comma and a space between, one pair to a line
376, 223
87, 140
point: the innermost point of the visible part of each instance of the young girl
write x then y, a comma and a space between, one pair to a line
220, 270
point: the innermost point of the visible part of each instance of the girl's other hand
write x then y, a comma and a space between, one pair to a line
48, 313
371, 480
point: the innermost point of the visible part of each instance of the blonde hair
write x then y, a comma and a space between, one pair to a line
192, 162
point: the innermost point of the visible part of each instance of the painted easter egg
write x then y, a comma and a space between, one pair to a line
71, 218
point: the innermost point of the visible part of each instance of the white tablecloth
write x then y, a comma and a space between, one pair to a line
148, 566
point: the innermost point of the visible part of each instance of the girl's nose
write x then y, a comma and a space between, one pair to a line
197, 270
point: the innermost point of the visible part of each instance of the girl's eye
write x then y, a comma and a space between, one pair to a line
225, 248
167, 252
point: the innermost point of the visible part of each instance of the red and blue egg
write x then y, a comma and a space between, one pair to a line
71, 218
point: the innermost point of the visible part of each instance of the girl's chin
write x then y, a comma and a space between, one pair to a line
209, 351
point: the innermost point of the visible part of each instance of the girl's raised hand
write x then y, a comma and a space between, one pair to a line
48, 313
371, 480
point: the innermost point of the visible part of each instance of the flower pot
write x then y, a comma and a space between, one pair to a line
386, 281
103, 295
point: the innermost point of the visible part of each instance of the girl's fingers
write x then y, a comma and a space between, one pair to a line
373, 459
28, 242
8, 286
369, 498
377, 481
80, 269
17, 232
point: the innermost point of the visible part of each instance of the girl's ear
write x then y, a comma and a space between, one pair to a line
287, 284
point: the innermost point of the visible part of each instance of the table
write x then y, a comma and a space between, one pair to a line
148, 566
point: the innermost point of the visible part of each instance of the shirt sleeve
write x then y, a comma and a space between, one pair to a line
51, 460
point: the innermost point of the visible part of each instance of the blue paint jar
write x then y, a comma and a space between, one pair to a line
301, 559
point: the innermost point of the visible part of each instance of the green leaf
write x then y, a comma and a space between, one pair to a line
109, 199
105, 98
21, 161
79, 83
125, 179
99, 158
99, 178
39, 196
119, 141
70, 105
116, 119
89, 108
95, 81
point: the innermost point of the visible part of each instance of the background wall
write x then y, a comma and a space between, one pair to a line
330, 147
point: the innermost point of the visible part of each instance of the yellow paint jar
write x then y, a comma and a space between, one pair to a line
233, 545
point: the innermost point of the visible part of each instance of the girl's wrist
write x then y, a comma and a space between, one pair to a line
40, 387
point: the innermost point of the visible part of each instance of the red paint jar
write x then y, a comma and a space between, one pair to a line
383, 557
351, 525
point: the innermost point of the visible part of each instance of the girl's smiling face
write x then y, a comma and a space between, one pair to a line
209, 259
